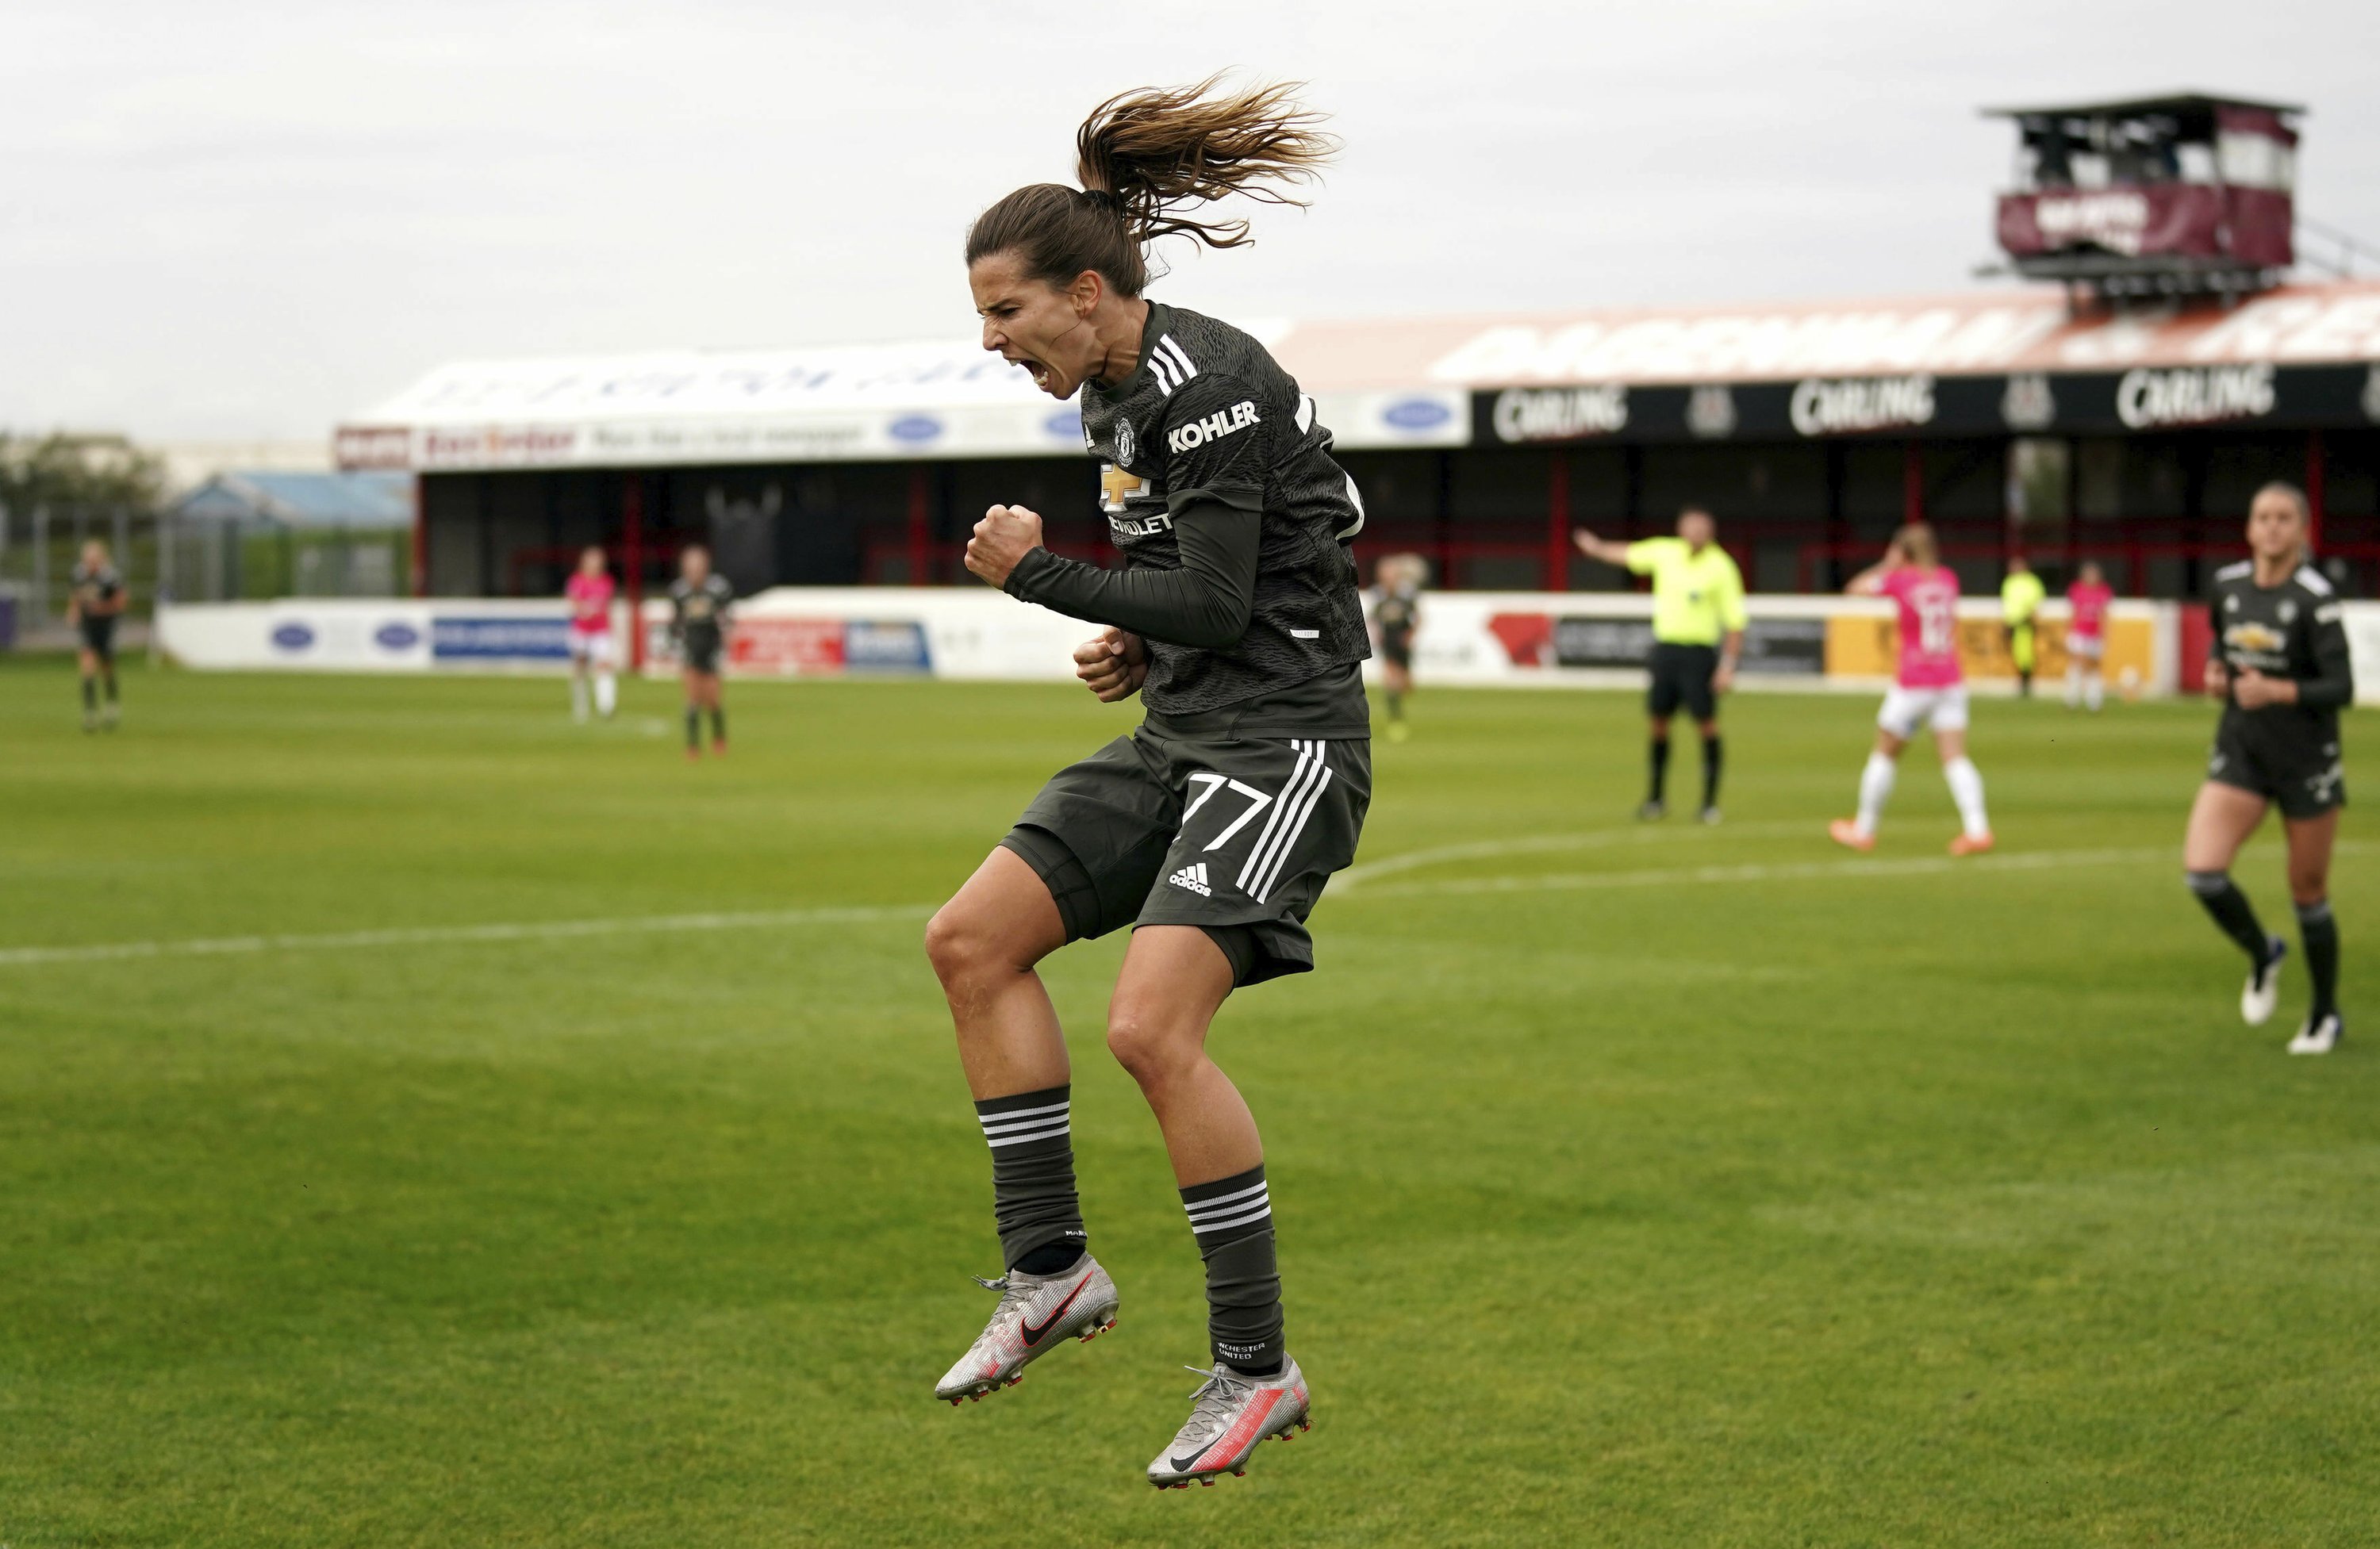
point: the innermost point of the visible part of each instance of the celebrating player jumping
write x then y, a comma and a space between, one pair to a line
1210, 830
2279, 662
1928, 690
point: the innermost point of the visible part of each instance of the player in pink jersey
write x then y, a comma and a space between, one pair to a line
2086, 637
1929, 691
590, 591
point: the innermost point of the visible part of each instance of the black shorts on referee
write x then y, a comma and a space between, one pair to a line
1681, 676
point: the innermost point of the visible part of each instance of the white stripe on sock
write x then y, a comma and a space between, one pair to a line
1051, 1133
1262, 1213
1023, 1113
1196, 1207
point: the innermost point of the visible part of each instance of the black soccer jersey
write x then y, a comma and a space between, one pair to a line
1208, 415
96, 586
2290, 630
1397, 611
699, 614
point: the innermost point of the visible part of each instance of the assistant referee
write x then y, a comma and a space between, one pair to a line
1698, 623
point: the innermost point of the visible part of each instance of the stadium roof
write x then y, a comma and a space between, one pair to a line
1409, 382
2124, 107
355, 500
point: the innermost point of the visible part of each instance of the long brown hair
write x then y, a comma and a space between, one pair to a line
1144, 159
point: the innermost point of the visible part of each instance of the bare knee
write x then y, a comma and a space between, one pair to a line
967, 944
2309, 887
1150, 1046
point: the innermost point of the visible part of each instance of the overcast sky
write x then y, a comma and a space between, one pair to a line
250, 220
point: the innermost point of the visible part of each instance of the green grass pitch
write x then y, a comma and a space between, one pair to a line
1636, 1186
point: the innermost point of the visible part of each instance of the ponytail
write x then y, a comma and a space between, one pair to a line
1145, 159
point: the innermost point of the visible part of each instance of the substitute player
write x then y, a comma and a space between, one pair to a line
2279, 662
94, 605
2021, 597
1698, 622
1395, 617
591, 590
1211, 828
700, 600
2087, 601
1928, 690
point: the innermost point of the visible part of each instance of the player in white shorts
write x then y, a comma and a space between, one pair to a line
592, 652
1929, 691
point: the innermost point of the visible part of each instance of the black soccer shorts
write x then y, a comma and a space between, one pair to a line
2302, 775
1681, 676
1236, 836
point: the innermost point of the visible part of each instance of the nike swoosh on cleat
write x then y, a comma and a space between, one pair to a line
1184, 1464
1031, 1335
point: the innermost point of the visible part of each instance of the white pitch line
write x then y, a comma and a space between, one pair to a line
1593, 839
1916, 866
431, 935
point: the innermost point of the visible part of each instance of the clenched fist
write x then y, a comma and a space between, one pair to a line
1112, 665
1007, 535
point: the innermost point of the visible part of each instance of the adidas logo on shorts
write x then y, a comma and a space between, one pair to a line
1194, 878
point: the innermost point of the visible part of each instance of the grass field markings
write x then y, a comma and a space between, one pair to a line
1591, 839
433, 935
1791, 871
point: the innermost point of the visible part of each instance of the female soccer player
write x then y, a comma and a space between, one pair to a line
2086, 637
92, 606
1928, 690
699, 600
1397, 615
589, 591
1212, 828
2279, 663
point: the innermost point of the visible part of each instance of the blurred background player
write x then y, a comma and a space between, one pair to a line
2086, 637
1698, 621
590, 591
1395, 616
1928, 690
92, 606
2021, 597
2279, 662
700, 599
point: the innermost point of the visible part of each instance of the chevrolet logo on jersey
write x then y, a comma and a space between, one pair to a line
1119, 485
2255, 638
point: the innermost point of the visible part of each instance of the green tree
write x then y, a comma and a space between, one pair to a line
61, 469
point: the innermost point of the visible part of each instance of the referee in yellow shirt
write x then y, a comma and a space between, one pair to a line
1698, 623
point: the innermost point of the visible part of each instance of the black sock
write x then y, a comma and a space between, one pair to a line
89, 695
2320, 934
1232, 1220
1710, 770
1396, 706
719, 725
693, 728
110, 680
1660, 754
1033, 1178
2229, 909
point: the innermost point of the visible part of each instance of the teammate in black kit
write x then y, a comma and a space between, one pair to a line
1397, 615
699, 602
2279, 662
1210, 830
94, 605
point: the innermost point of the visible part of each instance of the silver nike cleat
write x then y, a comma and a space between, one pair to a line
1232, 1414
1036, 1313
